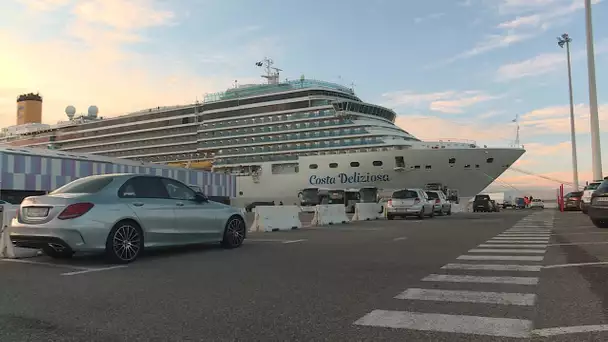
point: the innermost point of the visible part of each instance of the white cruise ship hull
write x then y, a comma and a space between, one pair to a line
469, 174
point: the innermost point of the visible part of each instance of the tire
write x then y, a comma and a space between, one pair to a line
129, 236
234, 233
450, 212
390, 217
432, 214
65, 254
421, 215
600, 223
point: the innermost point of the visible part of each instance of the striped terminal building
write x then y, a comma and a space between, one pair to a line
32, 171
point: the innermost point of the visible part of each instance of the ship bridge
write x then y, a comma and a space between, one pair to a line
365, 108
265, 89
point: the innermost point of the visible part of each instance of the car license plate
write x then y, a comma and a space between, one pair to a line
37, 212
601, 199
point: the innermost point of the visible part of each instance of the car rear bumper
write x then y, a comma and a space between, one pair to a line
404, 211
597, 213
28, 237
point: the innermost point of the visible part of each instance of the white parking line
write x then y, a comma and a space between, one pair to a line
525, 235
599, 263
577, 233
506, 327
512, 245
400, 238
569, 330
482, 279
520, 238
93, 270
493, 267
265, 240
501, 257
507, 251
578, 243
503, 298
518, 241
21, 261
295, 241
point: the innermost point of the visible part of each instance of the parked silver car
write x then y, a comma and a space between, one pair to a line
409, 202
120, 215
441, 205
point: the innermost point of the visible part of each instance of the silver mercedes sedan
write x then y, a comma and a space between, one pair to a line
120, 215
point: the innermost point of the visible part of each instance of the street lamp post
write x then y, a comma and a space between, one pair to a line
561, 41
596, 150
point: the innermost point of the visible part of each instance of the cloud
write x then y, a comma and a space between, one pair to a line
543, 63
537, 65
546, 14
436, 128
449, 102
556, 119
432, 16
519, 6
90, 54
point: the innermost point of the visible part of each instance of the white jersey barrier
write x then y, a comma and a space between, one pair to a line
7, 249
273, 218
329, 214
368, 211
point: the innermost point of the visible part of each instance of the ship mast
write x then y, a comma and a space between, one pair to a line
517, 130
272, 73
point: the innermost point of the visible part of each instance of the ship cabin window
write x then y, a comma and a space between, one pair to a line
354, 164
490, 160
468, 166
399, 161
452, 160
416, 166
333, 165
377, 163
428, 167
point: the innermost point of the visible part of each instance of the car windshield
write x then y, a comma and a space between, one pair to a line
432, 195
592, 186
405, 194
482, 198
87, 185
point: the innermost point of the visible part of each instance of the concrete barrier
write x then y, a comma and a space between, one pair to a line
368, 211
274, 218
326, 214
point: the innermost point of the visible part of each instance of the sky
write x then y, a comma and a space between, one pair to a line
451, 69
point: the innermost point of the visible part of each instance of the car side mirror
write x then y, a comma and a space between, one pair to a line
201, 198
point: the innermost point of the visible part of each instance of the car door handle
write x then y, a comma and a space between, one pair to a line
179, 204
138, 204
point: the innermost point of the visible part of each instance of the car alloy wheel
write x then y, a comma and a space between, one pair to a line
126, 243
235, 233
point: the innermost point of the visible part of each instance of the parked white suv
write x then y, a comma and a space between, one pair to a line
587, 192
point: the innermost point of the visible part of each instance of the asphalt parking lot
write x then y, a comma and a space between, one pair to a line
399, 280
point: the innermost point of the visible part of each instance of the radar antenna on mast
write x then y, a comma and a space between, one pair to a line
272, 73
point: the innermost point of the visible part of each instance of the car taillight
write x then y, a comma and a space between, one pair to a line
575, 198
416, 200
75, 210
437, 201
389, 203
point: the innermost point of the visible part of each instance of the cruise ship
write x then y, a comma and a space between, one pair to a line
280, 138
